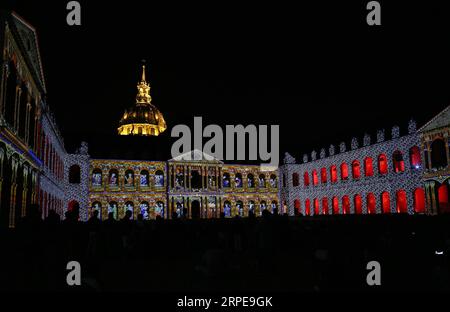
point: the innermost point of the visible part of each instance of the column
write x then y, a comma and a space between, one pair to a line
434, 204
189, 178
12, 205
202, 176
27, 122
170, 177
429, 155
447, 150
24, 201
188, 203
17, 108
184, 177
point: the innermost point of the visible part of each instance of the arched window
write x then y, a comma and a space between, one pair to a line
22, 112
358, 204
112, 208
368, 167
96, 206
345, 205
414, 157
398, 162
295, 179
11, 93
382, 164
385, 202
238, 180
344, 171
129, 206
402, 206
250, 180
159, 178
144, 178
262, 181
315, 177
307, 207
252, 209
226, 179
371, 204
325, 206
159, 209
227, 208
145, 211
438, 154
443, 198
335, 204
297, 207
96, 177
419, 200
240, 208
316, 207
306, 178
323, 175
74, 174
356, 173
333, 174
113, 177
274, 207
273, 181
129, 178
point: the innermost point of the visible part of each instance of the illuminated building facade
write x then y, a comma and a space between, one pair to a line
380, 178
196, 188
22, 94
404, 174
434, 139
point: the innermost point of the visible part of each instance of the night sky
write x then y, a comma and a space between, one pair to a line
319, 71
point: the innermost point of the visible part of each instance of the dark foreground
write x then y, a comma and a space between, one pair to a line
274, 253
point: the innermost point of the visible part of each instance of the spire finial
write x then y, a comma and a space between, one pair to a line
143, 70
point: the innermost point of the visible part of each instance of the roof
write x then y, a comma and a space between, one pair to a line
439, 121
28, 39
195, 155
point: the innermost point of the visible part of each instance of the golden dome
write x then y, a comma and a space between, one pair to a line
143, 118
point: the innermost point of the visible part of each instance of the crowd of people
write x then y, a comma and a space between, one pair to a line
269, 253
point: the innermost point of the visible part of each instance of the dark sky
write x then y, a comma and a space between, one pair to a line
317, 70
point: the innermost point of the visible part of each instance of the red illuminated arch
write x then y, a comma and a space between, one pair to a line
307, 207
382, 164
419, 200
414, 157
335, 204
358, 204
316, 207
368, 167
443, 198
315, 177
356, 172
323, 175
398, 162
295, 180
385, 202
345, 205
297, 207
371, 204
333, 174
325, 206
344, 171
402, 205
306, 178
